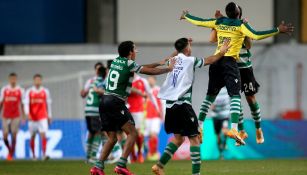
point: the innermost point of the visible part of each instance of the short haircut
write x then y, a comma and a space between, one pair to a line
13, 74
98, 64
231, 11
181, 44
37, 76
125, 48
240, 15
102, 72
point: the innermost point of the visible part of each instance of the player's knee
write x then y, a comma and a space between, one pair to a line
178, 140
251, 99
194, 140
112, 140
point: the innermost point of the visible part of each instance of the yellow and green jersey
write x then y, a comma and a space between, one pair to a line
232, 29
119, 81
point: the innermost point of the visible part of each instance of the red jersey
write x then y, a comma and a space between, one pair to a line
38, 103
136, 101
11, 99
152, 112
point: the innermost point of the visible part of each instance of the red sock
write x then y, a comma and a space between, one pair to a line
139, 143
153, 144
133, 156
44, 145
32, 146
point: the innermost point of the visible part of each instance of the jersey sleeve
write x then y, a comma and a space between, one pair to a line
49, 101
134, 67
199, 62
87, 85
209, 23
247, 30
26, 102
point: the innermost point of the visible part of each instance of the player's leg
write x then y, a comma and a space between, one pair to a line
232, 80
90, 139
242, 132
33, 128
5, 131
14, 129
138, 119
94, 137
195, 154
223, 138
42, 129
154, 126
217, 123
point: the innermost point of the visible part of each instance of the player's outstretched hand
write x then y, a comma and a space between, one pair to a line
218, 14
285, 28
172, 63
185, 12
225, 47
165, 60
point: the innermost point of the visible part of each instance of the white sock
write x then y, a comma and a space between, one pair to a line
234, 126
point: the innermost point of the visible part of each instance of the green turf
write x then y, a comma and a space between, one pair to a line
242, 167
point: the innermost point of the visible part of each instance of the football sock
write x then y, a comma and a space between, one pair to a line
95, 146
153, 144
139, 142
195, 157
169, 151
235, 106
99, 164
7, 144
205, 106
44, 145
89, 147
241, 120
255, 110
32, 145
122, 162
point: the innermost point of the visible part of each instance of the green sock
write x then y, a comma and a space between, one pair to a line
169, 151
205, 106
99, 164
256, 113
122, 162
241, 120
195, 157
95, 145
235, 106
89, 147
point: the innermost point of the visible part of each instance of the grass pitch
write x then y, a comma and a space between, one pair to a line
228, 167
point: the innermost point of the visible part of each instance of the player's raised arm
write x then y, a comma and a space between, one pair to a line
258, 35
216, 57
213, 36
247, 43
209, 23
157, 71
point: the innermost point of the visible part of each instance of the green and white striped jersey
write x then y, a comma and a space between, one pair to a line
120, 77
187, 96
93, 98
244, 61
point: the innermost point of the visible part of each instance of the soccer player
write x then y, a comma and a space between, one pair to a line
136, 100
180, 118
113, 113
225, 72
220, 114
37, 106
93, 123
249, 86
12, 109
153, 120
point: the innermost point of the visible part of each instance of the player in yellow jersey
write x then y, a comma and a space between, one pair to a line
225, 72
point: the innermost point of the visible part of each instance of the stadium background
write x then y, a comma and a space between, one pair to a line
37, 35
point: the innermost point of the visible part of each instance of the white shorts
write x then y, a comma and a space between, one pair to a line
40, 126
153, 126
9, 124
138, 118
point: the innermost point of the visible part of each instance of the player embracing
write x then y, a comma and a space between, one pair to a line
180, 118
113, 112
37, 106
225, 72
11, 108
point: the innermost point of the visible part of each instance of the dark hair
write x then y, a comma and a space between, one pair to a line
13, 74
181, 44
240, 15
102, 72
98, 64
109, 62
125, 48
37, 76
231, 10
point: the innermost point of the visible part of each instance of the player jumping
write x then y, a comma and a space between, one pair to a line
37, 106
225, 72
180, 118
12, 108
113, 113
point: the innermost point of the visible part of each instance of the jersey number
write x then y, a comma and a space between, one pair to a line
90, 99
113, 80
248, 87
